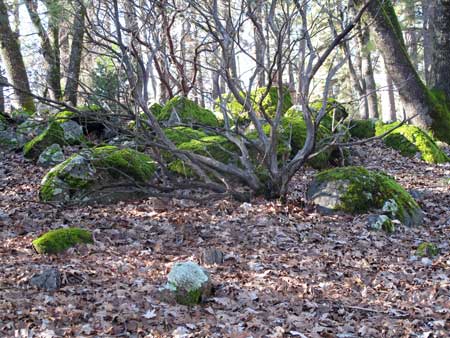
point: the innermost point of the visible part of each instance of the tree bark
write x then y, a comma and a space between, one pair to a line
367, 73
13, 61
50, 49
73, 72
440, 67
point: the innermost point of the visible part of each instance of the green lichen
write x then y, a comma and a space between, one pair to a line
188, 112
362, 129
124, 162
58, 240
427, 249
262, 100
188, 282
53, 134
366, 190
409, 140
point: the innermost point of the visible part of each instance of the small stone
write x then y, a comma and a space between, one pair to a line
187, 284
426, 261
49, 280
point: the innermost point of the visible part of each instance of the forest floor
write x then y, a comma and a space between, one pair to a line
288, 271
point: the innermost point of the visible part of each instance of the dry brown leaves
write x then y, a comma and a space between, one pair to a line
288, 272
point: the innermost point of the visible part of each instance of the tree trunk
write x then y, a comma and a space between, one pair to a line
440, 67
50, 49
428, 13
367, 73
13, 61
419, 103
73, 72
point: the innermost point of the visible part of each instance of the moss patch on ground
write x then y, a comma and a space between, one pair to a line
179, 135
188, 112
409, 140
56, 241
365, 190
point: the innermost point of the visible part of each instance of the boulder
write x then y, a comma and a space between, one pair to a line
411, 140
51, 156
53, 134
104, 174
56, 241
31, 128
181, 110
357, 190
187, 284
73, 132
362, 129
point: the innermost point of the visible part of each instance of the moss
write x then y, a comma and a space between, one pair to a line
124, 162
156, 109
179, 135
188, 111
362, 129
409, 140
440, 114
269, 102
64, 116
427, 249
216, 147
63, 177
21, 114
335, 112
58, 240
369, 190
53, 134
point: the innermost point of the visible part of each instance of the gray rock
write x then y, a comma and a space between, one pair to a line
327, 195
49, 280
31, 128
51, 156
73, 132
380, 222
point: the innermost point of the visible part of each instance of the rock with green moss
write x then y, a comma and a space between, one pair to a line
9, 140
51, 156
179, 135
411, 140
335, 113
216, 147
356, 190
427, 249
380, 222
181, 110
20, 115
187, 284
53, 134
104, 174
292, 137
261, 99
3, 123
56, 241
31, 128
362, 129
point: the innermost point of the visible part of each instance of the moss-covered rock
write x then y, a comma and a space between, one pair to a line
216, 147
31, 128
362, 129
427, 249
92, 175
125, 162
410, 140
335, 113
187, 284
182, 110
21, 115
269, 102
381, 222
56, 241
357, 190
3, 123
179, 135
53, 134
51, 156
